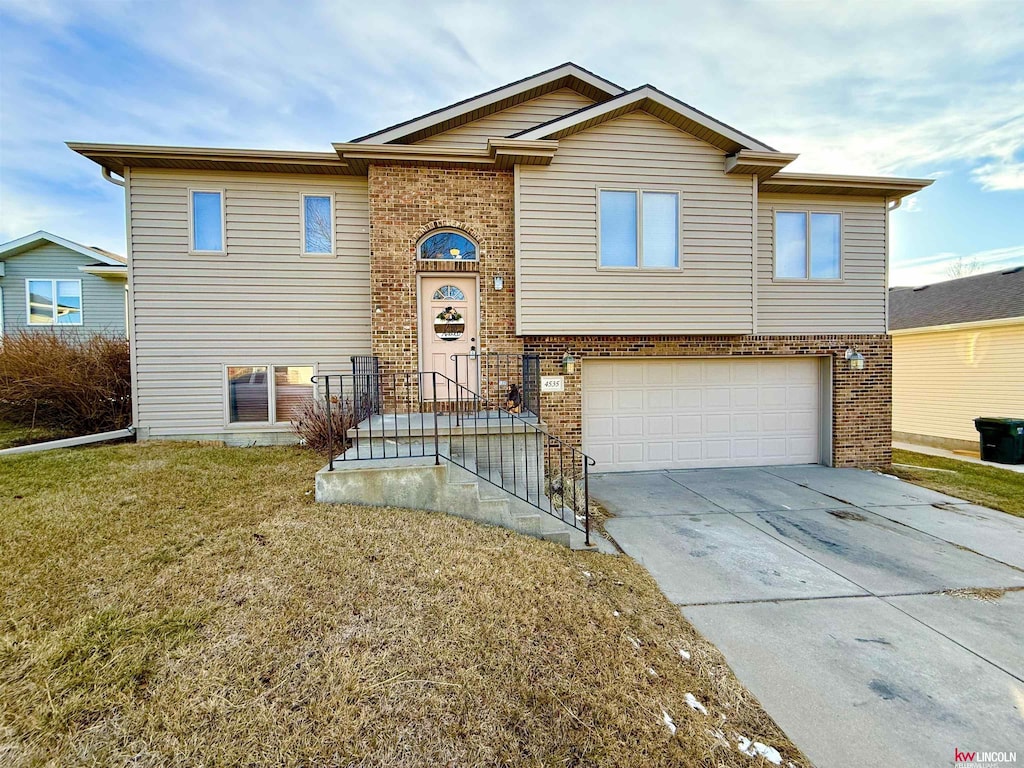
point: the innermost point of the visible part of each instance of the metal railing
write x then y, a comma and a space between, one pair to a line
426, 414
493, 375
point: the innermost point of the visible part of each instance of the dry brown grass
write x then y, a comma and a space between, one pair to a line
186, 605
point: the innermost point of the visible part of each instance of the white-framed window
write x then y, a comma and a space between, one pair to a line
206, 220
267, 394
808, 245
317, 225
447, 245
638, 229
53, 302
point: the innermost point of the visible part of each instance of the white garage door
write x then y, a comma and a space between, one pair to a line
711, 412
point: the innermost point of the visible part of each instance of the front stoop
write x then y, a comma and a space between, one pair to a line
420, 483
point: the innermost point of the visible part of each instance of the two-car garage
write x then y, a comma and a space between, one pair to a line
680, 413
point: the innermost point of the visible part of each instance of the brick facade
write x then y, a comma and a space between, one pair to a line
861, 400
406, 203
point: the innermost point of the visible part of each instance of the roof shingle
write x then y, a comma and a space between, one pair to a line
991, 296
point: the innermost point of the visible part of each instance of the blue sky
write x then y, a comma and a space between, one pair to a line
931, 89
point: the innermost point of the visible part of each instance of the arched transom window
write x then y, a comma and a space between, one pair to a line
448, 245
451, 292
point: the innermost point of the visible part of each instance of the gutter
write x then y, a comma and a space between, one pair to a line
71, 442
106, 175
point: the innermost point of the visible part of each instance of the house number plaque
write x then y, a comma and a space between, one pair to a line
552, 383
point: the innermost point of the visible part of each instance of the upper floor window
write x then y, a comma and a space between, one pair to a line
54, 302
317, 224
639, 229
448, 245
808, 245
206, 209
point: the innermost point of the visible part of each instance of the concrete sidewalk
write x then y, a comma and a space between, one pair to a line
930, 451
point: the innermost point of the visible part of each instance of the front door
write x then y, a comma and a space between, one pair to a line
449, 332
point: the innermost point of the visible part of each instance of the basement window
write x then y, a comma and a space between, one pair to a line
252, 389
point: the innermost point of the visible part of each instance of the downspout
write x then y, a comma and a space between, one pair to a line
106, 175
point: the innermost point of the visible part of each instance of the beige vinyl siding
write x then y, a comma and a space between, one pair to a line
854, 304
561, 289
529, 114
103, 299
261, 303
942, 380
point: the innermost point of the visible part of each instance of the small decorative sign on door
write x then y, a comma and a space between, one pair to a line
449, 324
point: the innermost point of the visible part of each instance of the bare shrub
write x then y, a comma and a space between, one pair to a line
311, 421
65, 381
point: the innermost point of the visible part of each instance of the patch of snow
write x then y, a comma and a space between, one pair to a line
635, 643
785, 507
651, 672
756, 748
587, 574
615, 613
684, 654
692, 703
882, 474
665, 718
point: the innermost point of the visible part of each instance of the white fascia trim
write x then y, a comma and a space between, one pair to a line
29, 241
632, 97
120, 270
390, 134
959, 326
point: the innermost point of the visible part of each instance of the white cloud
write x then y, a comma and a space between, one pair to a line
996, 177
933, 269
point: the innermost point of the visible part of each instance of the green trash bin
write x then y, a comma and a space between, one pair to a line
1002, 440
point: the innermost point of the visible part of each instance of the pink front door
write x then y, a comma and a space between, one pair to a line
449, 318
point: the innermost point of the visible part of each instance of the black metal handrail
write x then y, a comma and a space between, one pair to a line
493, 374
416, 409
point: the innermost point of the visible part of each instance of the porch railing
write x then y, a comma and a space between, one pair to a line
493, 375
415, 419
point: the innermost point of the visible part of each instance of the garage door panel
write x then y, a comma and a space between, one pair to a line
680, 413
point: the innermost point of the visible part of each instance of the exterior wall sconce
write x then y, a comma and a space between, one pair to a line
856, 359
568, 363
499, 282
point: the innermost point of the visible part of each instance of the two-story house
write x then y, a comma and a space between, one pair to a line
703, 307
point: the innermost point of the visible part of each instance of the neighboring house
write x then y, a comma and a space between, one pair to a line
710, 298
49, 283
958, 353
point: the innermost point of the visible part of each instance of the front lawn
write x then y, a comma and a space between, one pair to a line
191, 605
978, 483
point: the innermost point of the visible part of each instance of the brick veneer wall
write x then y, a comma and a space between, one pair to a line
407, 202
861, 400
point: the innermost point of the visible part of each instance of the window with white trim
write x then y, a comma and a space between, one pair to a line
317, 225
639, 229
808, 245
53, 302
206, 211
252, 389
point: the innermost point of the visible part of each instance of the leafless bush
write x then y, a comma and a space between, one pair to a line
65, 381
311, 422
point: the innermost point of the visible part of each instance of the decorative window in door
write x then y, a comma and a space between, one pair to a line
449, 292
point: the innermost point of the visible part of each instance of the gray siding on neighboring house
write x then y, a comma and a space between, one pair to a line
855, 304
103, 298
529, 114
560, 288
261, 303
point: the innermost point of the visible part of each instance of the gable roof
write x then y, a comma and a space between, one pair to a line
28, 242
566, 75
658, 103
991, 296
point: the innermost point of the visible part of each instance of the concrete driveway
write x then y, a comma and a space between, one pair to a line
828, 590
